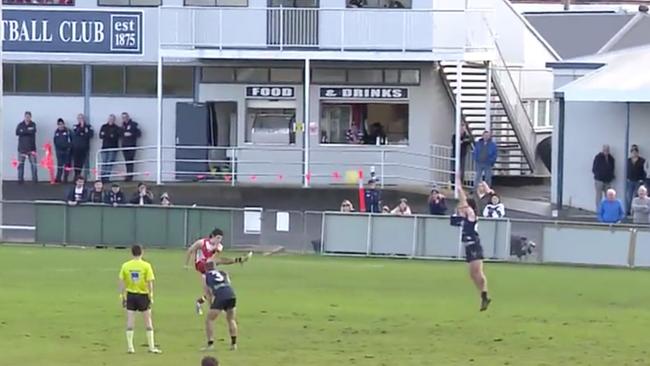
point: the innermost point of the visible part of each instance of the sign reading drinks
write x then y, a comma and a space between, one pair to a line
271, 92
365, 93
72, 31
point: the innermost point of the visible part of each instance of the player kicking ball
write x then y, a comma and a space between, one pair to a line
208, 249
221, 297
136, 292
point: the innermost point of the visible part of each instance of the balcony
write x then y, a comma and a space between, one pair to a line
322, 33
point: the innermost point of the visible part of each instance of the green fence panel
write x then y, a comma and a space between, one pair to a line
118, 226
151, 226
202, 221
50, 227
176, 227
84, 225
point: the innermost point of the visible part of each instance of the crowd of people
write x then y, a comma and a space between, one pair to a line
80, 194
72, 146
488, 202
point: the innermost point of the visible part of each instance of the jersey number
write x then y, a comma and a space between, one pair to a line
218, 276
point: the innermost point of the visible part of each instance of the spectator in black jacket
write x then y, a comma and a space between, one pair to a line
115, 196
603, 170
97, 195
62, 146
143, 196
81, 135
373, 197
79, 193
437, 203
465, 146
110, 136
130, 135
26, 132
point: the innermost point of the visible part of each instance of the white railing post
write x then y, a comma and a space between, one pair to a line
488, 96
459, 121
381, 167
306, 118
159, 139
98, 166
233, 167
281, 28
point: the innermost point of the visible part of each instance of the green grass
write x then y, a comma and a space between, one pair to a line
60, 307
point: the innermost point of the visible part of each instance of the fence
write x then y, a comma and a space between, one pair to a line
331, 233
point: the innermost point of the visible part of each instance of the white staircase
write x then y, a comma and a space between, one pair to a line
514, 158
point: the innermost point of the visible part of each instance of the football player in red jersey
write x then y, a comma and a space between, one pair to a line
208, 249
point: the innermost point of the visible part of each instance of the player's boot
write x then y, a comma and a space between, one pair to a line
247, 257
198, 308
233, 347
130, 351
155, 350
485, 303
209, 347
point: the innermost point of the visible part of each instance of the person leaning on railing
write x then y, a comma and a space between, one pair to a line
437, 203
611, 209
79, 193
641, 207
143, 196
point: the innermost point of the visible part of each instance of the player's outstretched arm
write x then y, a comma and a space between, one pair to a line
226, 260
191, 252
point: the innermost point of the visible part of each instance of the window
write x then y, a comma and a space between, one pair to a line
217, 75
293, 3
8, 78
409, 77
328, 76
178, 81
141, 80
286, 75
391, 76
373, 76
270, 125
253, 75
216, 2
129, 2
539, 111
108, 80
32, 78
38, 2
67, 79
364, 123
392, 4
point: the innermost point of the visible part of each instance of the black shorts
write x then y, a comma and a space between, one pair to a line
137, 302
473, 252
224, 304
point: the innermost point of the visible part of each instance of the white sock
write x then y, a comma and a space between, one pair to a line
129, 339
150, 340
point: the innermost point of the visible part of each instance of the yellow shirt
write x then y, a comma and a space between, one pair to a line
136, 273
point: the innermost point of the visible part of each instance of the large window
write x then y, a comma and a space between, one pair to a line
216, 2
390, 4
252, 75
270, 125
129, 2
178, 81
42, 79
539, 111
364, 123
38, 2
366, 76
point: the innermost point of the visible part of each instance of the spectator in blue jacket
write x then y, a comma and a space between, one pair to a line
485, 156
611, 210
373, 197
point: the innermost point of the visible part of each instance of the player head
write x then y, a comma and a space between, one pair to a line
209, 361
210, 265
216, 236
136, 250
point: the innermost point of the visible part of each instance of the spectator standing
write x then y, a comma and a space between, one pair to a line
437, 203
603, 170
62, 145
79, 193
403, 209
97, 195
110, 136
483, 195
81, 135
143, 196
485, 156
641, 207
130, 135
372, 197
26, 132
465, 146
346, 206
611, 210
495, 209
115, 196
636, 176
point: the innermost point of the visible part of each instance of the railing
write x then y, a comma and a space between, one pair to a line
400, 30
255, 164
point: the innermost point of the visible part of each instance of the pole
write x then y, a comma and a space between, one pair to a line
459, 122
560, 150
159, 138
2, 160
488, 97
627, 148
306, 118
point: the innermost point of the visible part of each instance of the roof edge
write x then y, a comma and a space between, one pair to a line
621, 33
534, 31
575, 65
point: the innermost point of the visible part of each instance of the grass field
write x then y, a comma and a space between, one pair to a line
60, 307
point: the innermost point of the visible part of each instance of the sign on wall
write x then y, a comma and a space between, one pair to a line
271, 92
365, 93
72, 31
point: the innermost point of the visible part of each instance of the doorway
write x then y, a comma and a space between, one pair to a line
208, 125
